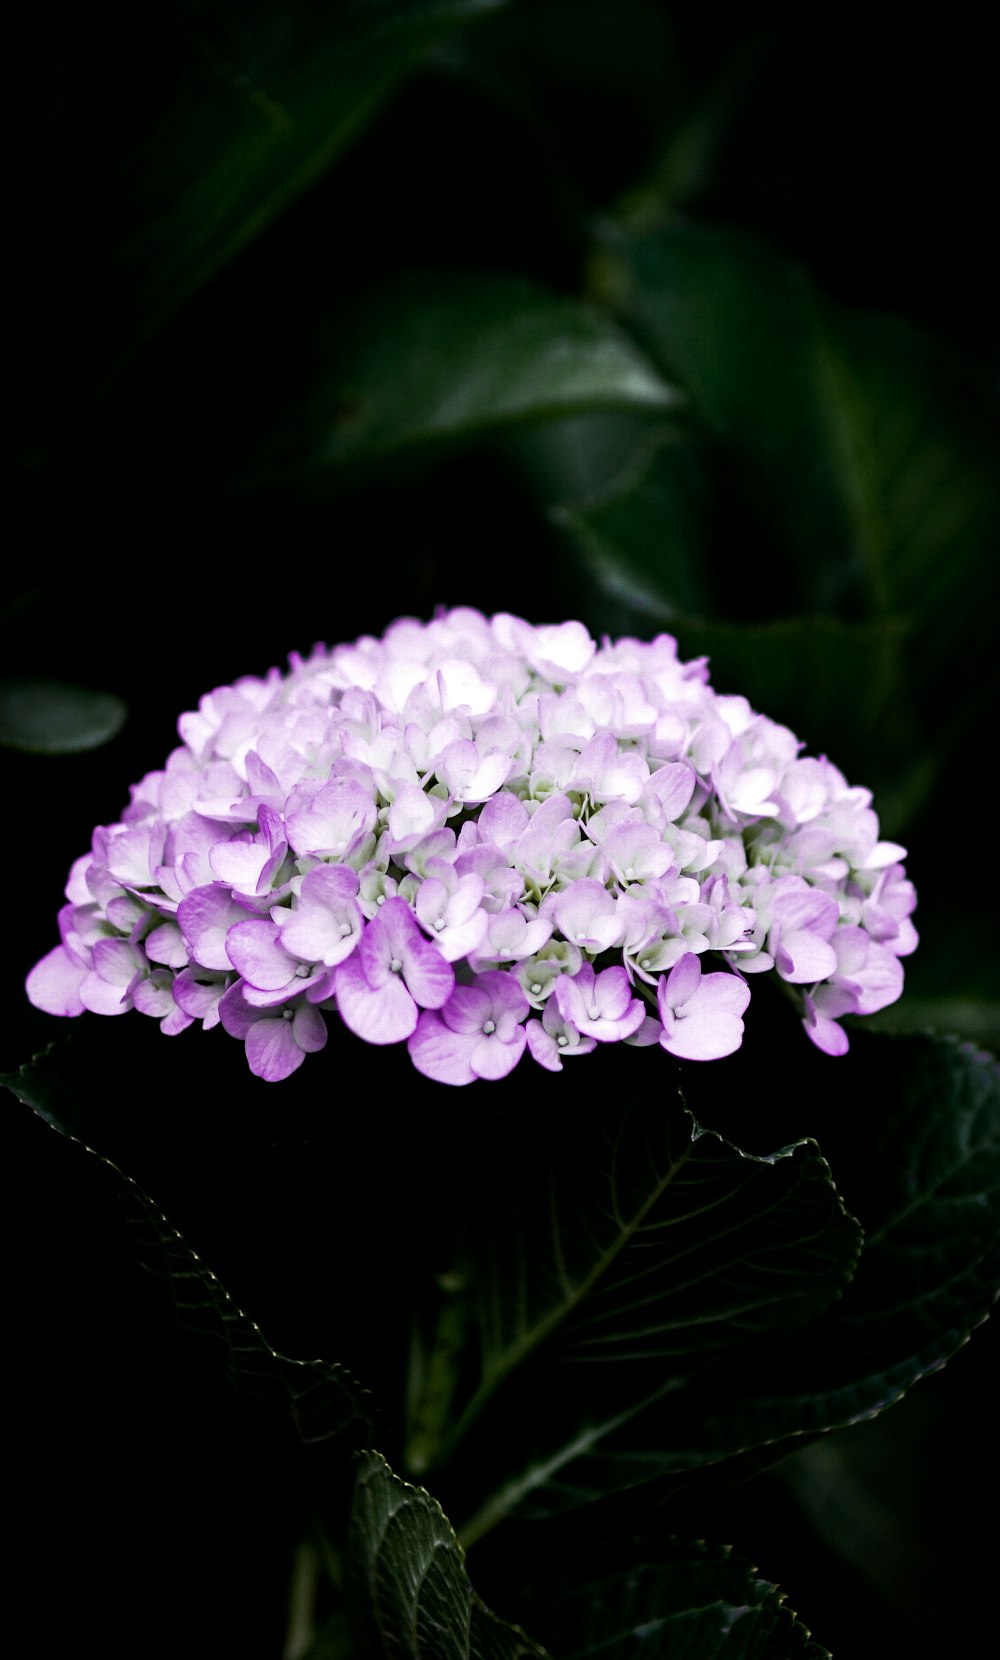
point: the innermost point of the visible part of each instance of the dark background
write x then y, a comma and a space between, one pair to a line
157, 1512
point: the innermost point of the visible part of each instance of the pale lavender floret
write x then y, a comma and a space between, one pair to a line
553, 848
607, 773
803, 922
205, 917
270, 974
447, 908
510, 937
471, 774
478, 1033
586, 914
165, 946
701, 1014
538, 975
575, 825
413, 815
824, 1007
198, 992
652, 940
155, 996
393, 973
117, 966
54, 983
248, 863
338, 817
635, 852
552, 1037
326, 924
601, 1005
277, 1040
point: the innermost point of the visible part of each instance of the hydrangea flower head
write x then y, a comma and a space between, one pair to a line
483, 838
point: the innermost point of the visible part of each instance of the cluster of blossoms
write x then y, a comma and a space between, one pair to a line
479, 836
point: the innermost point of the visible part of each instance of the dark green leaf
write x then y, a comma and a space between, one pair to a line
922, 1134
930, 1269
585, 460
323, 1403
858, 446
925, 1138
411, 1592
645, 542
611, 1270
700, 1603
46, 717
262, 106
439, 357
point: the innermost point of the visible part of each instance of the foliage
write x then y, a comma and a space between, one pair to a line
331, 315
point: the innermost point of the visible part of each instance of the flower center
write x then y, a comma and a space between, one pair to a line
489, 1027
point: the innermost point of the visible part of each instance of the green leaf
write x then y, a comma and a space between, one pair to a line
914, 1134
912, 1127
47, 717
644, 543
411, 1593
321, 1401
700, 1603
610, 1270
930, 1269
261, 107
442, 357
860, 449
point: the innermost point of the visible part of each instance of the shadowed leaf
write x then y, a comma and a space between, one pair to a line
700, 1603
321, 1401
47, 717
604, 1274
264, 104
441, 357
411, 1591
859, 444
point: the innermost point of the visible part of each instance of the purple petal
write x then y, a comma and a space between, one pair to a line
440, 1052
54, 984
385, 1014
256, 952
235, 1013
309, 1029
272, 1051
466, 1009
205, 917
429, 978
682, 981
802, 958
544, 1048
198, 992
493, 1057
706, 1023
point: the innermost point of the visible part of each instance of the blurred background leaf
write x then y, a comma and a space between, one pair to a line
46, 717
696, 1601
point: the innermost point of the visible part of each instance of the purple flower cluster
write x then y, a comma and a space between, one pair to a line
479, 836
